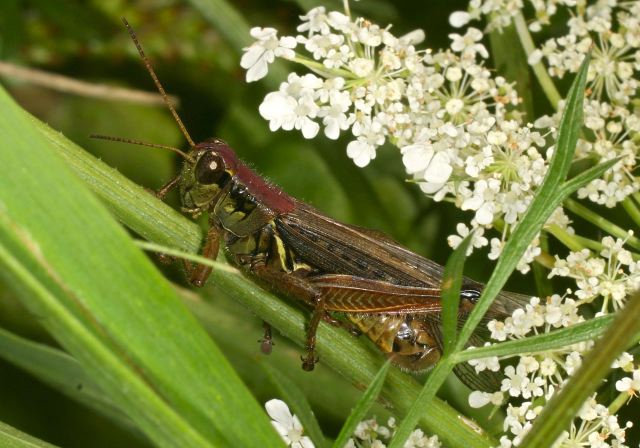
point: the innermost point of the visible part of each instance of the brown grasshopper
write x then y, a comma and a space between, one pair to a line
386, 291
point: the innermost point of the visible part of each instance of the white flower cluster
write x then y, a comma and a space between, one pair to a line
452, 119
594, 427
612, 132
611, 31
613, 276
370, 434
500, 13
535, 378
380, 87
615, 132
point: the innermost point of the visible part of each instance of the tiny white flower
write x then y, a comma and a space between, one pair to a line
261, 53
535, 57
414, 37
362, 67
624, 362
469, 44
629, 385
458, 19
335, 118
434, 167
314, 21
287, 425
454, 106
361, 152
339, 21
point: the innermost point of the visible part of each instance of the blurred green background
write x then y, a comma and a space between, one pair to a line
195, 47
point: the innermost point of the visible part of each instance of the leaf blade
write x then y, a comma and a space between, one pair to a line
359, 412
90, 281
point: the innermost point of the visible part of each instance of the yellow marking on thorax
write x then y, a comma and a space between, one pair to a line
280, 249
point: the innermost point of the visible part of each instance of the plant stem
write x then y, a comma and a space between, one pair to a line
577, 242
599, 221
543, 286
569, 240
616, 404
539, 70
632, 209
321, 69
545, 259
164, 250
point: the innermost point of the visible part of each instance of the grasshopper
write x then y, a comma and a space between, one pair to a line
384, 290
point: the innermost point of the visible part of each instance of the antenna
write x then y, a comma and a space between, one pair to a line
141, 143
147, 64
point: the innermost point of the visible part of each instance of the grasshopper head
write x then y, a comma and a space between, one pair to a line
210, 167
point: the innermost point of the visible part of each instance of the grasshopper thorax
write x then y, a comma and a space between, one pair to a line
210, 167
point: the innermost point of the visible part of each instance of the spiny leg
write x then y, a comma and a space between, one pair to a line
302, 289
160, 194
310, 359
348, 326
266, 343
166, 188
199, 273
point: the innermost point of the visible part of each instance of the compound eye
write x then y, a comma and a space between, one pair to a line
209, 169
470, 294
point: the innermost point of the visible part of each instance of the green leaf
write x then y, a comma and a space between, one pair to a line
60, 371
584, 331
12, 438
101, 298
561, 409
122, 197
362, 407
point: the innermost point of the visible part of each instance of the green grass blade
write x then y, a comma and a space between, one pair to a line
73, 266
576, 182
122, 197
451, 284
584, 331
60, 371
359, 412
561, 409
10, 437
422, 403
